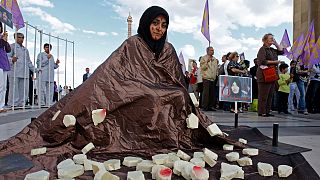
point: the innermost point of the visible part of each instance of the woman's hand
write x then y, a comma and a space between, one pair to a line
5, 36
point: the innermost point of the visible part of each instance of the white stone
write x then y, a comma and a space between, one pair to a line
178, 166
105, 175
250, 151
131, 161
155, 170
176, 172
112, 164
265, 169
39, 175
284, 170
209, 160
160, 158
79, 158
97, 166
135, 175
87, 165
214, 130
231, 171
198, 155
198, 162
172, 157
164, 174
56, 115
71, 171
228, 147
87, 148
69, 120
244, 161
98, 116
183, 155
243, 141
194, 99
199, 173
145, 166
210, 154
186, 171
65, 163
233, 156
192, 121
38, 151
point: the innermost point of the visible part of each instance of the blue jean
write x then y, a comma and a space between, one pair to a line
302, 89
293, 91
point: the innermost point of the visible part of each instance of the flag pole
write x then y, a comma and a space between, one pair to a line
14, 68
25, 69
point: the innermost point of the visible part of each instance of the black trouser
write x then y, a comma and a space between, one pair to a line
200, 90
312, 97
208, 94
282, 101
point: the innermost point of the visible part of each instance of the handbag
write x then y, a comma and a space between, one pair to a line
270, 74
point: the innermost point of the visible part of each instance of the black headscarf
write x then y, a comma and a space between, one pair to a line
144, 28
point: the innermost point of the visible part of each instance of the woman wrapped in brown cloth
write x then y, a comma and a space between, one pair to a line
267, 57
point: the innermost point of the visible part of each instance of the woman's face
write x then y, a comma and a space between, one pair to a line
236, 58
158, 27
235, 88
269, 40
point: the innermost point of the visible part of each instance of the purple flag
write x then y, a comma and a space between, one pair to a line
296, 48
242, 57
205, 22
285, 41
315, 53
13, 7
310, 42
183, 64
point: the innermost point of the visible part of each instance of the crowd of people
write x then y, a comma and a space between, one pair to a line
297, 87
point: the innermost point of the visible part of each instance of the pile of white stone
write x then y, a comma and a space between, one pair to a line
162, 166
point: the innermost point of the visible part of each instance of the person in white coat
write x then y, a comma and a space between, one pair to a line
46, 66
20, 64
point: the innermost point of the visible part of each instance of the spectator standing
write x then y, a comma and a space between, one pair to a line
302, 81
235, 69
55, 93
46, 66
20, 58
200, 85
284, 89
4, 66
193, 79
267, 56
312, 97
294, 91
209, 70
86, 75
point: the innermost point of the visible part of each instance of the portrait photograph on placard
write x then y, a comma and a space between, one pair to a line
235, 89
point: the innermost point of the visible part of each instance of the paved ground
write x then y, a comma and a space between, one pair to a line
296, 129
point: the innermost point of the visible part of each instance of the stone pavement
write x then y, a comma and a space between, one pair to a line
296, 129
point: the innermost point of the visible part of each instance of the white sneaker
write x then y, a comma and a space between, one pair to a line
305, 113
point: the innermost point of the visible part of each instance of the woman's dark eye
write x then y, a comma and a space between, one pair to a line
164, 25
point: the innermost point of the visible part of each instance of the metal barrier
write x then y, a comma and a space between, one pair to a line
37, 82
